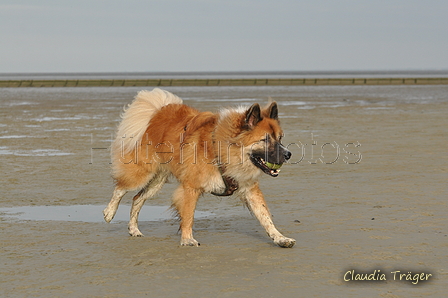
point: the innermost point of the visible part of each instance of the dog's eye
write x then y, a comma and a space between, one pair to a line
264, 140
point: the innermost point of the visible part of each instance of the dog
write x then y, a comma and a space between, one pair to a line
220, 153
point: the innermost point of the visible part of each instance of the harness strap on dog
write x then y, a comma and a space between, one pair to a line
229, 182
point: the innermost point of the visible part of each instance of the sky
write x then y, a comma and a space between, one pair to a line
213, 35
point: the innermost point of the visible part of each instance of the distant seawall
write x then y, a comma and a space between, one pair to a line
223, 82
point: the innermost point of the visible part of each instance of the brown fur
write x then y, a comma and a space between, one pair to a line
199, 149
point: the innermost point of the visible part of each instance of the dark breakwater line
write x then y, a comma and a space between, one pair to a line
222, 82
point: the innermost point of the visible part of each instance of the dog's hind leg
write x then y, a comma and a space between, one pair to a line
254, 200
184, 202
137, 203
112, 207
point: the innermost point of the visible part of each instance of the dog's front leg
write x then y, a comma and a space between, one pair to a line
184, 202
257, 205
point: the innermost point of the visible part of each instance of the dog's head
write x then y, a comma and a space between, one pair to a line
266, 150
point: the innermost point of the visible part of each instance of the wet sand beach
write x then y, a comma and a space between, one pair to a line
365, 190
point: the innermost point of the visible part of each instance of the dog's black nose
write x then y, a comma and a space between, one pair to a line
287, 155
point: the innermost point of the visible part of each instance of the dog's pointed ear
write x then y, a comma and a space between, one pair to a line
273, 111
253, 115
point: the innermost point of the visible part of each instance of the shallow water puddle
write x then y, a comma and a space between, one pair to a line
37, 152
88, 213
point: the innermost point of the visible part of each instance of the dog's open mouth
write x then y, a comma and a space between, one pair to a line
272, 169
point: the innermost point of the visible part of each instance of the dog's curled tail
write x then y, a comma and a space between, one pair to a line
136, 117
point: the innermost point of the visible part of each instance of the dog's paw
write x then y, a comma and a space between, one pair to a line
189, 242
135, 232
108, 215
285, 242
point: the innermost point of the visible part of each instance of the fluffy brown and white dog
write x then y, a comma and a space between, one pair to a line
218, 153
